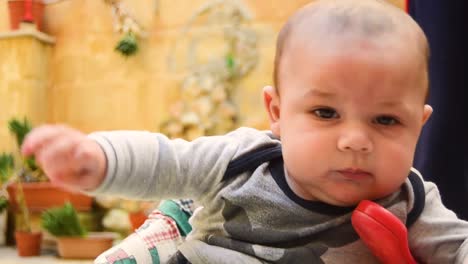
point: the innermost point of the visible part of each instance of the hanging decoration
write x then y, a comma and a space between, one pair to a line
127, 26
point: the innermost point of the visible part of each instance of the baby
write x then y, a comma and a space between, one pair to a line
345, 114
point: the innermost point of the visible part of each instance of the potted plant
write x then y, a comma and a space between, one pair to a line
73, 240
39, 193
30, 192
27, 241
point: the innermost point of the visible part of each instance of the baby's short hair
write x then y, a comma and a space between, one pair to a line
366, 19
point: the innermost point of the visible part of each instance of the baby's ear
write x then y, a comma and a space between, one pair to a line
272, 104
427, 112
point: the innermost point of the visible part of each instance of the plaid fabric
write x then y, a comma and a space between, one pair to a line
153, 242
117, 255
157, 228
187, 205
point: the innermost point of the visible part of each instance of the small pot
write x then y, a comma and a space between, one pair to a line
28, 243
88, 247
16, 9
137, 219
40, 196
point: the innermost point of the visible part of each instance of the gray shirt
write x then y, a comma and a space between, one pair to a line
254, 217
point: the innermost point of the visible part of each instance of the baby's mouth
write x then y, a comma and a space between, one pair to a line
354, 174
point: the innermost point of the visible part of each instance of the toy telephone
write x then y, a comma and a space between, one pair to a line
383, 233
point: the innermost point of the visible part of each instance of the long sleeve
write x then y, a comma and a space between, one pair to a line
147, 165
438, 236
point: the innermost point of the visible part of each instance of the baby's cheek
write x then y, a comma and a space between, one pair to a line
402, 161
393, 173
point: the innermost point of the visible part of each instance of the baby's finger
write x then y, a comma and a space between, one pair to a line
52, 157
40, 136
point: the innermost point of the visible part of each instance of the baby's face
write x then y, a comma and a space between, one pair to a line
349, 119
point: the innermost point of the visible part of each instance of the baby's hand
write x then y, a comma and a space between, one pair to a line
67, 156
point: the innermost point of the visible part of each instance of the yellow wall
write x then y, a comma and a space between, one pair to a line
23, 81
108, 92
93, 88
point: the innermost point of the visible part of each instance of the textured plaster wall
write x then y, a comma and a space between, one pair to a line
23, 82
95, 88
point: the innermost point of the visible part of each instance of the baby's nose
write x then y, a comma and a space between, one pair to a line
355, 140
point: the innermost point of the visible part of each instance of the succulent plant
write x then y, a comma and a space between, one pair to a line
7, 165
62, 221
30, 172
127, 45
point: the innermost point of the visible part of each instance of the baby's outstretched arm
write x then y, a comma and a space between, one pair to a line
68, 157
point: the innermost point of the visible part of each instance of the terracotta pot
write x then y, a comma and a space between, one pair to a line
43, 195
137, 219
16, 9
28, 243
88, 247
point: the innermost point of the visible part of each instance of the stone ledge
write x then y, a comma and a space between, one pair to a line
9, 256
28, 30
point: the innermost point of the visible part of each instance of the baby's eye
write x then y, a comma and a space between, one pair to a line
386, 120
325, 113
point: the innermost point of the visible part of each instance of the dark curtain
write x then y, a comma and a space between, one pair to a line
441, 154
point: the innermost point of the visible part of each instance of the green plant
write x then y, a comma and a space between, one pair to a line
62, 221
127, 45
7, 164
29, 171
127, 26
23, 223
6, 169
24, 171
3, 203
20, 129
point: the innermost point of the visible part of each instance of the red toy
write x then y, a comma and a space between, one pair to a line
384, 234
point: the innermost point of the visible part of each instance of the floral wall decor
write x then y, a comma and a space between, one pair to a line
205, 106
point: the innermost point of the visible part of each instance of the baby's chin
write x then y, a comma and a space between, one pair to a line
346, 198
349, 195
